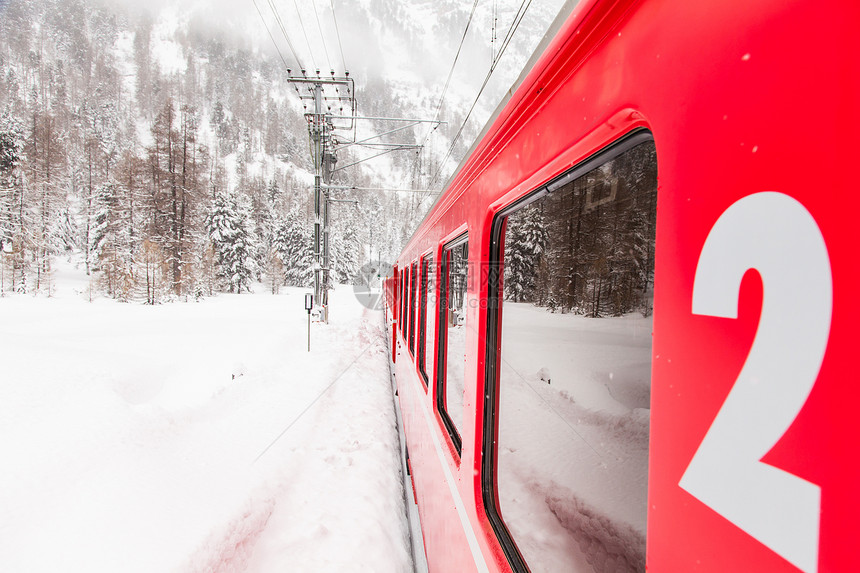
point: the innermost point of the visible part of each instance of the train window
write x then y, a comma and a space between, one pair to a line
451, 369
405, 314
427, 320
413, 291
571, 407
402, 299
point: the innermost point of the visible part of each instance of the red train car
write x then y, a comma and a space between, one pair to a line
622, 335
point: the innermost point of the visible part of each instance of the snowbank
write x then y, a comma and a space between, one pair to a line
196, 437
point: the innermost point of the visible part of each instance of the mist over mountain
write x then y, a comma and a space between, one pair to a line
164, 148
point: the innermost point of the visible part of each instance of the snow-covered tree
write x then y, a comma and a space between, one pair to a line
273, 191
229, 231
111, 247
294, 244
346, 254
11, 145
525, 245
93, 105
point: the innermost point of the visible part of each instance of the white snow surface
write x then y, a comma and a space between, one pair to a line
574, 415
196, 437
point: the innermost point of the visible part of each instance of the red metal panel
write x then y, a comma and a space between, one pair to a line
742, 98
753, 118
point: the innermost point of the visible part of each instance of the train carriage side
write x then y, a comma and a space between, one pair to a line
623, 333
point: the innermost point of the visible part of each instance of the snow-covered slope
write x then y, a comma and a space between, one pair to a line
152, 111
200, 437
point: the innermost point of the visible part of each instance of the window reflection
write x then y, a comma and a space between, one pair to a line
413, 288
574, 369
455, 324
427, 336
403, 293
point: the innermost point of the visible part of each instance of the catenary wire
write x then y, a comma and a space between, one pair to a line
515, 24
521, 12
322, 36
454, 64
266, 26
305, 32
508, 37
280, 22
447, 85
337, 32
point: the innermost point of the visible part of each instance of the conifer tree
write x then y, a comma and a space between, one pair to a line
11, 144
294, 243
229, 231
346, 254
524, 250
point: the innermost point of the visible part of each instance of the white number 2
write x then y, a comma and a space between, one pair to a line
777, 236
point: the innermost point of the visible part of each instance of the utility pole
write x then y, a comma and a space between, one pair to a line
321, 125
326, 130
320, 207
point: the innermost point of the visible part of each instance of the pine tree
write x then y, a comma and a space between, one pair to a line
524, 249
241, 251
293, 242
273, 192
229, 231
11, 146
111, 242
346, 254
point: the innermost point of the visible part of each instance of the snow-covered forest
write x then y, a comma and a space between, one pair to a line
599, 229
170, 156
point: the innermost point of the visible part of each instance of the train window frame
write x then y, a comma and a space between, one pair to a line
403, 298
489, 441
427, 267
413, 294
442, 342
390, 294
405, 325
395, 297
398, 297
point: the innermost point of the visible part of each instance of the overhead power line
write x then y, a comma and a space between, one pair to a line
322, 36
454, 64
518, 18
266, 26
280, 22
337, 32
305, 32
515, 24
447, 84
392, 189
493, 38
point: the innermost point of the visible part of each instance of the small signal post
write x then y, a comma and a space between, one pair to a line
309, 304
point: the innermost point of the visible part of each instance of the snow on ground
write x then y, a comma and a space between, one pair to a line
196, 436
578, 386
